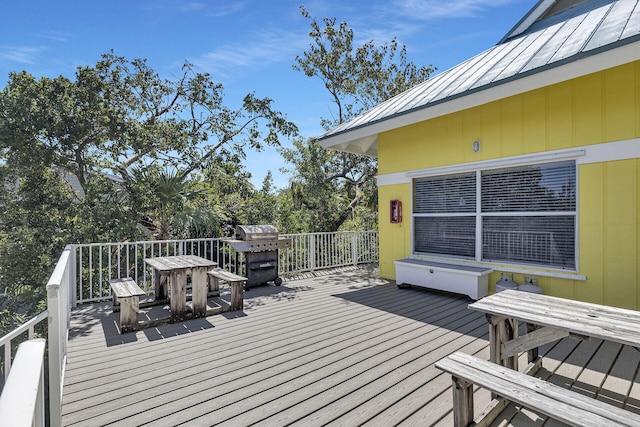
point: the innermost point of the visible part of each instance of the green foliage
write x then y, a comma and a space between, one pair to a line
113, 151
357, 78
328, 188
35, 229
335, 190
262, 208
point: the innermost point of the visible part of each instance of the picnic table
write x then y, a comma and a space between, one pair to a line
547, 319
173, 271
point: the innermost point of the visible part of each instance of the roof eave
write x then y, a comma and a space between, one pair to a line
354, 140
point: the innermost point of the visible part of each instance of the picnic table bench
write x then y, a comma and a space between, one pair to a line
236, 283
559, 403
547, 319
126, 298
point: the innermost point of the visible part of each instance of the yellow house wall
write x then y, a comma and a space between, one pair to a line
598, 108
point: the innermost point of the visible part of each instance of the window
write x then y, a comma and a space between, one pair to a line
523, 214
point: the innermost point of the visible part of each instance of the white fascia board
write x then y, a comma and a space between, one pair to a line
588, 65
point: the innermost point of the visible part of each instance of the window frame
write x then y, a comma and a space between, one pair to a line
478, 169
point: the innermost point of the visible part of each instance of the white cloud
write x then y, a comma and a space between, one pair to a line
56, 36
436, 9
264, 48
20, 54
213, 9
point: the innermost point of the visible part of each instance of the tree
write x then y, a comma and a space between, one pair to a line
80, 139
262, 207
172, 203
33, 233
120, 113
357, 78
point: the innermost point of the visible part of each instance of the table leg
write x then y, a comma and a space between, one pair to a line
160, 285
199, 291
157, 286
511, 332
178, 302
502, 330
532, 355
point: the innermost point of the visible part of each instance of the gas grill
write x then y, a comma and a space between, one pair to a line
260, 244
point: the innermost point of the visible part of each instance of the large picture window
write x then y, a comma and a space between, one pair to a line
523, 214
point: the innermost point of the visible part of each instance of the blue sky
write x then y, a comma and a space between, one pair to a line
247, 45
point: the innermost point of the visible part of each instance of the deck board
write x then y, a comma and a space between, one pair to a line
334, 348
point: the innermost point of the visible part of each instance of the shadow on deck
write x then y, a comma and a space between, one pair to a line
342, 347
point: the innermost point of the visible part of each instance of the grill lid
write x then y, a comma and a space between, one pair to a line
256, 232
257, 238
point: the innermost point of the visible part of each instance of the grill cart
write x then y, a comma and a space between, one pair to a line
260, 245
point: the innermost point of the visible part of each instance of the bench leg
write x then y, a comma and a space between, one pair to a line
237, 295
462, 403
129, 314
214, 288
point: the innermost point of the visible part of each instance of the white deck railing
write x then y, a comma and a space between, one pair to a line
83, 272
24, 405
98, 263
57, 315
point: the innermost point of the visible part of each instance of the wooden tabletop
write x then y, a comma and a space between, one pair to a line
580, 318
177, 262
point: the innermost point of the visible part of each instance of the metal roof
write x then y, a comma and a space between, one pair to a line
582, 31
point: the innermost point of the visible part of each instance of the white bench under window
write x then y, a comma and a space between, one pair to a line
462, 279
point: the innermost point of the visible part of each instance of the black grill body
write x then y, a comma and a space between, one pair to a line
262, 267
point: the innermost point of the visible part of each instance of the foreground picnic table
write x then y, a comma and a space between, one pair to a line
175, 269
548, 319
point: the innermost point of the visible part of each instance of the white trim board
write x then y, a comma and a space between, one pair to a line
596, 153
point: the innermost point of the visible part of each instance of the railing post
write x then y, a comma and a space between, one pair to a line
59, 305
312, 252
55, 371
354, 247
73, 277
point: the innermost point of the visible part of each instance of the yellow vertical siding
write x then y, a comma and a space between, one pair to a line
591, 230
589, 110
395, 239
621, 109
534, 132
511, 124
560, 116
620, 241
602, 107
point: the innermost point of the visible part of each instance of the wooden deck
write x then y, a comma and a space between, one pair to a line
340, 348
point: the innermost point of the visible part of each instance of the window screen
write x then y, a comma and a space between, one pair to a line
525, 215
445, 208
